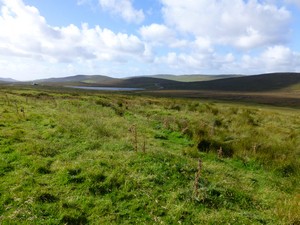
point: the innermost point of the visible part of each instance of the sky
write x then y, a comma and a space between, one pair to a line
121, 38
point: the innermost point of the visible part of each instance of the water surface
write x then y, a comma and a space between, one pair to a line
106, 88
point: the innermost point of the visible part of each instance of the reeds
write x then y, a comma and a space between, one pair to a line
135, 139
197, 179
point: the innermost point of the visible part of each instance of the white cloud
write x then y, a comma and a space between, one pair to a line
24, 32
125, 9
202, 45
194, 61
198, 36
277, 58
273, 59
157, 33
237, 23
30, 48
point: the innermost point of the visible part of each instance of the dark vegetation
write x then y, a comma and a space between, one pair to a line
256, 83
194, 77
77, 157
279, 98
79, 78
279, 89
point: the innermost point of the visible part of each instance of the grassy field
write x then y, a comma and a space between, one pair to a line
76, 157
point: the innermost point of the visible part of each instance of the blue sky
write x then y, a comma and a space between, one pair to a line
120, 38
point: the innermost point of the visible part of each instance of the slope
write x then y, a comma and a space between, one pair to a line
193, 77
89, 79
256, 83
7, 80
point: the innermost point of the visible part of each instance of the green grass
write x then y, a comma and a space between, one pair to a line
69, 157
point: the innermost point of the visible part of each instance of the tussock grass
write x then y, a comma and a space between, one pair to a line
89, 158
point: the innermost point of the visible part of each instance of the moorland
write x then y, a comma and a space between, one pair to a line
186, 155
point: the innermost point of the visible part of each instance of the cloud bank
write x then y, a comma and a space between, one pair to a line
236, 23
207, 36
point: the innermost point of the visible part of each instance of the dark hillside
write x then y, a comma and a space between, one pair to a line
193, 77
78, 78
136, 82
151, 83
256, 83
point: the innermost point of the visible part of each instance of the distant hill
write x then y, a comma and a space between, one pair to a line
255, 83
89, 79
98, 79
231, 83
149, 83
193, 77
7, 80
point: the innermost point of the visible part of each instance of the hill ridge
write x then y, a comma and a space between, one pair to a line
234, 83
5, 79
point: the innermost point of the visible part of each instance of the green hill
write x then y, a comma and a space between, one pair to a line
89, 79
